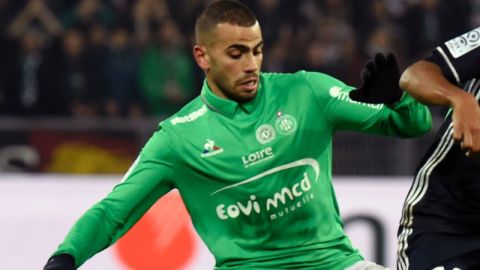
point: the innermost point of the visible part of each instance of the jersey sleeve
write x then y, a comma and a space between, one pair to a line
459, 57
407, 118
149, 177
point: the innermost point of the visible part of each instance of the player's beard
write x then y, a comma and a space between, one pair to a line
235, 95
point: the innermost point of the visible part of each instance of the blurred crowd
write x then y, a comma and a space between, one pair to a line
132, 58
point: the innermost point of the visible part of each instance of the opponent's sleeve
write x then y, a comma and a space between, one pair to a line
459, 57
146, 181
406, 118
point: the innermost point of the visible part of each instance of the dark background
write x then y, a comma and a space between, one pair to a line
84, 83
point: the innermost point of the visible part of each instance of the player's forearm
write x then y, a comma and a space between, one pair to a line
92, 233
425, 82
108, 220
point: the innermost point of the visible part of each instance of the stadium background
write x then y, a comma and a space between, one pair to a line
83, 84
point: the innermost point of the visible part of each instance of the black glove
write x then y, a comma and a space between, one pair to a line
60, 262
380, 78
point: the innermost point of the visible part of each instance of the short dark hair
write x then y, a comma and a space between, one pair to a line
224, 11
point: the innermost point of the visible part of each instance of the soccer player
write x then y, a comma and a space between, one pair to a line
251, 157
440, 224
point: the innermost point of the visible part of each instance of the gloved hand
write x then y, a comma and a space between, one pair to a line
60, 262
380, 78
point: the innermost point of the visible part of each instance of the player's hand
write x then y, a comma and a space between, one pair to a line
466, 123
60, 262
380, 77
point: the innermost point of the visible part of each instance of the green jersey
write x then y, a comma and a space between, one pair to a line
255, 177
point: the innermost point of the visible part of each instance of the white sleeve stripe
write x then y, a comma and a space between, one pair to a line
127, 174
450, 65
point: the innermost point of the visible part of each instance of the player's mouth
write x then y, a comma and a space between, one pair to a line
249, 85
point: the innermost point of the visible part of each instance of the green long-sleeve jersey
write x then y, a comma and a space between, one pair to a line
255, 177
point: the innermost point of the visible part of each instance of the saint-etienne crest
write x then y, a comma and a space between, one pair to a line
285, 124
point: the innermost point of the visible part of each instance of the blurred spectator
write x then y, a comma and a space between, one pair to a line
336, 8
147, 13
278, 58
428, 22
270, 14
422, 22
86, 13
380, 40
31, 58
166, 71
185, 13
333, 36
370, 19
96, 51
475, 18
71, 73
121, 67
7, 54
29, 91
35, 13
121, 11
325, 51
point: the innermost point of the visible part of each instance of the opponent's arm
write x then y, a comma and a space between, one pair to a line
147, 180
425, 82
435, 80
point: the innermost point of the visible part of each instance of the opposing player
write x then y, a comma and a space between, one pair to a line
251, 157
440, 224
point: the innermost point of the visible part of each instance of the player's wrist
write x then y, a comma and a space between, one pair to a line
399, 100
461, 99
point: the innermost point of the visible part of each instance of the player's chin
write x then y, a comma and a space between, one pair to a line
245, 96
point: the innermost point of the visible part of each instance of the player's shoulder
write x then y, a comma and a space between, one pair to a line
286, 76
187, 117
466, 43
300, 76
288, 81
302, 83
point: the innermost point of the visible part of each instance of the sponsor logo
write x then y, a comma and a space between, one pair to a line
210, 149
190, 117
285, 124
465, 43
338, 93
283, 201
257, 157
265, 133
295, 191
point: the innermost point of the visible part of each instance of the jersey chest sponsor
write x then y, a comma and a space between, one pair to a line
287, 198
276, 202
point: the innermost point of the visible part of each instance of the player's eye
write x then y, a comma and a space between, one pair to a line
258, 51
235, 54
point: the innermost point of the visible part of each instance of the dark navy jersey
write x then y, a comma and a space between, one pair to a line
444, 199
459, 58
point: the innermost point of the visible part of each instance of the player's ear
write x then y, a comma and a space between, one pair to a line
201, 57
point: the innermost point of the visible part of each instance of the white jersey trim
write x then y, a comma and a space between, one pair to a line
449, 63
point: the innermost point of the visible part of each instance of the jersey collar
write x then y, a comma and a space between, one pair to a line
229, 107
